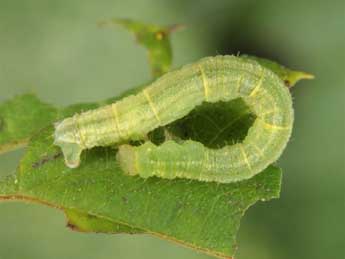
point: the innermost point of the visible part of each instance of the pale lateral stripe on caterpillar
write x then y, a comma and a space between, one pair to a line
173, 96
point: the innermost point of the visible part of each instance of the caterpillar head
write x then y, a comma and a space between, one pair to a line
66, 136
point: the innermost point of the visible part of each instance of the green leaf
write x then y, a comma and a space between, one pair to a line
204, 216
20, 118
155, 38
290, 77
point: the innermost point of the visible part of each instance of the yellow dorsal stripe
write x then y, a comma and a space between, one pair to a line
267, 112
116, 119
153, 108
258, 149
257, 87
245, 157
274, 127
204, 83
81, 137
239, 81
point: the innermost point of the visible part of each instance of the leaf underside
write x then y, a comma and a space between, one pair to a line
99, 197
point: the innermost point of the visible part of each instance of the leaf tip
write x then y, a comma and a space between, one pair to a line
269, 183
294, 76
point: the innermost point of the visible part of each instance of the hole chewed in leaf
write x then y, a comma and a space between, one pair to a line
213, 124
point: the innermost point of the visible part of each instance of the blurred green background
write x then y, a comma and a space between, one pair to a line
55, 49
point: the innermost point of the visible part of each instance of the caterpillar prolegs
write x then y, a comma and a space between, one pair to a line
173, 96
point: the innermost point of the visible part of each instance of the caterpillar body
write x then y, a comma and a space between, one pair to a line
173, 96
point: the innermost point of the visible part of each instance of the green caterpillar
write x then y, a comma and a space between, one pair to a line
173, 96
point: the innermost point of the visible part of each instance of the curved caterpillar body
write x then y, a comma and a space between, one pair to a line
171, 97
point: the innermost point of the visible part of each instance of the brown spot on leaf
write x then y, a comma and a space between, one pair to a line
124, 199
46, 159
73, 227
160, 35
287, 83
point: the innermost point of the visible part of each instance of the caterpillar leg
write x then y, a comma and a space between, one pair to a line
127, 159
168, 135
